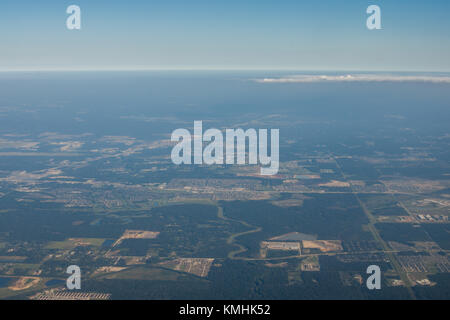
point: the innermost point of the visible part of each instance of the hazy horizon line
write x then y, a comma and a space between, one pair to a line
360, 77
284, 69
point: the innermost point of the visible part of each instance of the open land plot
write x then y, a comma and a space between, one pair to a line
137, 234
396, 219
144, 273
12, 258
439, 233
294, 236
335, 184
72, 243
197, 266
415, 185
426, 205
281, 245
402, 232
287, 247
24, 283
30, 269
423, 246
323, 245
108, 269
288, 203
351, 279
383, 205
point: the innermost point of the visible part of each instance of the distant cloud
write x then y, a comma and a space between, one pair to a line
354, 78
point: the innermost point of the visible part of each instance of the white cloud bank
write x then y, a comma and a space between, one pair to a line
354, 78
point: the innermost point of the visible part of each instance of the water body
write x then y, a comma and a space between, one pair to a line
54, 283
4, 282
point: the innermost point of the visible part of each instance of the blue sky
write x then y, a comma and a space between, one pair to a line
231, 34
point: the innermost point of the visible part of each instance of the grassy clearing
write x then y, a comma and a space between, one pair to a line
73, 243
